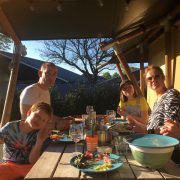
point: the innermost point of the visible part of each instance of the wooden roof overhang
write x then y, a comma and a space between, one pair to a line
130, 23
88, 19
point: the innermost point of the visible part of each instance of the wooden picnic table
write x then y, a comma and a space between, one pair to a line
54, 163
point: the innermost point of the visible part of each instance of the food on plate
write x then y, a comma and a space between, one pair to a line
55, 135
122, 128
55, 131
103, 167
88, 155
80, 161
78, 119
99, 161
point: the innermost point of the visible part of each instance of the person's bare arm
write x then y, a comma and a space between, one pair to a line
63, 123
43, 134
142, 119
24, 108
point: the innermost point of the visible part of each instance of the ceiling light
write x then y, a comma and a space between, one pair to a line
59, 6
127, 5
100, 3
31, 6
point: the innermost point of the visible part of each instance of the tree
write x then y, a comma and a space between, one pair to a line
83, 54
115, 75
107, 75
5, 42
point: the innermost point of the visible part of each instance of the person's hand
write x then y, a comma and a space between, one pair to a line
130, 119
64, 123
171, 128
43, 134
120, 111
139, 129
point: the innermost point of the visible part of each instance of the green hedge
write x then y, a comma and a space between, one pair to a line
74, 103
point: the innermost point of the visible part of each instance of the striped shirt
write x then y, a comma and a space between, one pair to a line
168, 107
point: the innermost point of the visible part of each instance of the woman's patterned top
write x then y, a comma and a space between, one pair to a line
168, 107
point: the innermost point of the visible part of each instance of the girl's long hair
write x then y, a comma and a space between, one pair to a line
125, 98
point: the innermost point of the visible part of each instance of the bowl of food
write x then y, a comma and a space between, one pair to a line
151, 150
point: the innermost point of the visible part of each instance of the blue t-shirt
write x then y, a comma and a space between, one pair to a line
17, 145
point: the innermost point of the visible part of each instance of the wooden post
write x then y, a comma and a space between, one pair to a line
167, 57
6, 26
142, 69
120, 71
126, 68
114, 60
11, 86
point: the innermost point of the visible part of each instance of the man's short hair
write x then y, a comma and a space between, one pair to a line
42, 106
46, 64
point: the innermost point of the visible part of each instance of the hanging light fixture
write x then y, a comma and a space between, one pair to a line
59, 6
127, 5
100, 3
31, 6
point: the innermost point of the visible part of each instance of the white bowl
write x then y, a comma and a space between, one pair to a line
151, 150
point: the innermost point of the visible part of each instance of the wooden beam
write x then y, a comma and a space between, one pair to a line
6, 26
113, 60
167, 57
104, 46
142, 83
11, 87
120, 71
14, 70
126, 68
145, 40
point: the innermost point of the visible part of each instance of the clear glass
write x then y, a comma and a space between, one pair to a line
89, 108
76, 132
121, 147
111, 115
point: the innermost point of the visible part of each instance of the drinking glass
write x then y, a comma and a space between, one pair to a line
121, 147
89, 108
111, 115
76, 133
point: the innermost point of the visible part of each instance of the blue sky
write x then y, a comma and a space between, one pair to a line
32, 52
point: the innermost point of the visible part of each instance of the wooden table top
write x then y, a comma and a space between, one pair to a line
54, 164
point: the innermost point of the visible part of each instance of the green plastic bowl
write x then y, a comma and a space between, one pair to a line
150, 157
151, 150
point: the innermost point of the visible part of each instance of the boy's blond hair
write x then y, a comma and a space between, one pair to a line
42, 107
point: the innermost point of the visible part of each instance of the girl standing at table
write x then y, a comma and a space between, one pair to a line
132, 107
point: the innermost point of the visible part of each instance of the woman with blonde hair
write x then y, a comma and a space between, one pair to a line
167, 105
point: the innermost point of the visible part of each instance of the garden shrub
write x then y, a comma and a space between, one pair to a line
75, 101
